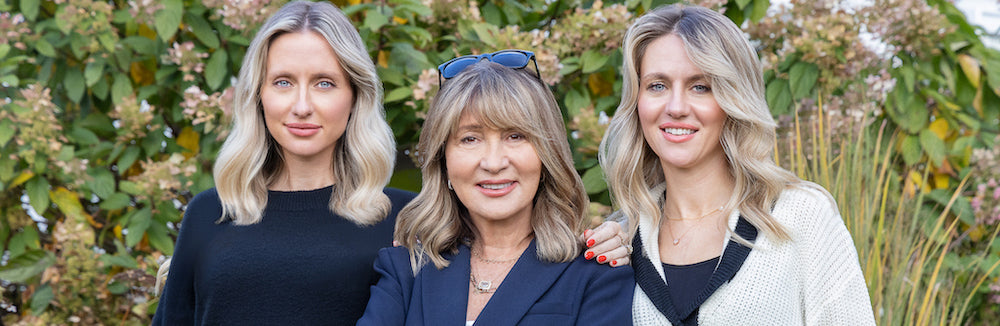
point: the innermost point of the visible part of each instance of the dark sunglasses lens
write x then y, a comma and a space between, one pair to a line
455, 67
511, 59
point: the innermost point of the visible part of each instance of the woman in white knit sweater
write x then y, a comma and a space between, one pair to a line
722, 235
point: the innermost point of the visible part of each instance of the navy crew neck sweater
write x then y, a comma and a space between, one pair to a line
300, 265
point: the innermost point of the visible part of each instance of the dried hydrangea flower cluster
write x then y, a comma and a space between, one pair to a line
244, 15
189, 59
212, 112
132, 119
39, 136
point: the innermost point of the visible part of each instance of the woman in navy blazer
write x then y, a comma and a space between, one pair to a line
493, 229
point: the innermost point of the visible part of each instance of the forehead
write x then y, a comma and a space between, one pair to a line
305, 50
667, 55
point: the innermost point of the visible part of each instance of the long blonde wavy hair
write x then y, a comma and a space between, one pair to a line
364, 156
436, 222
717, 47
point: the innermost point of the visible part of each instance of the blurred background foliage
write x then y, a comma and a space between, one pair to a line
113, 112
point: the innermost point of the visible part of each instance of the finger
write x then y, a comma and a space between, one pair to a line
604, 252
617, 256
603, 233
586, 235
620, 262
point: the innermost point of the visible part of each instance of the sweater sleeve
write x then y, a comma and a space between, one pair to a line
177, 303
388, 302
835, 292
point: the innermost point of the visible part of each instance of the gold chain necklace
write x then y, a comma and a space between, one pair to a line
677, 240
484, 286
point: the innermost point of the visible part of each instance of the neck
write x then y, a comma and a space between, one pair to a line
299, 174
503, 239
696, 191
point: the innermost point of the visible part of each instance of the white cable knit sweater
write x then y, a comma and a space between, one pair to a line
814, 279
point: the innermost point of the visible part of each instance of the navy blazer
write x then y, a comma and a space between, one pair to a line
533, 293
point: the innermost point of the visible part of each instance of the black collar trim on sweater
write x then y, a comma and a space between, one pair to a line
656, 289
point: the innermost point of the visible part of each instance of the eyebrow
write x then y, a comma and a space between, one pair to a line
659, 75
317, 75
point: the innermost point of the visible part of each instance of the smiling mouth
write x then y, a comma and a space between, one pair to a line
496, 186
678, 131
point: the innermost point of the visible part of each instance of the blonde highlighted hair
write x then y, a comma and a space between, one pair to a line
364, 156
717, 47
436, 222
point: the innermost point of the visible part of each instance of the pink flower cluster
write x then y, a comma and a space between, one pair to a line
12, 29
210, 111
144, 11
244, 15
189, 59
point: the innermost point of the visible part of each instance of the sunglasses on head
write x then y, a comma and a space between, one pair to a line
517, 59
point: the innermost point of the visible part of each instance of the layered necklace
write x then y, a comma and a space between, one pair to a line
484, 284
677, 240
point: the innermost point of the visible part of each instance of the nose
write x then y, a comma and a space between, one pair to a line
676, 106
495, 158
302, 108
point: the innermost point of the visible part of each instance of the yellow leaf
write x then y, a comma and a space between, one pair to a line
383, 59
599, 86
188, 139
940, 128
118, 232
977, 102
354, 2
140, 74
977, 233
971, 68
69, 203
941, 181
147, 32
914, 182
400, 21
25, 175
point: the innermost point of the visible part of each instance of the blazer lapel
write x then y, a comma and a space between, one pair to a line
526, 282
445, 291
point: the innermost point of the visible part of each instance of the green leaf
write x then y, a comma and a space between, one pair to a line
130, 187
742, 3
910, 147
374, 20
11, 80
128, 158
4, 49
102, 182
759, 9
38, 193
41, 299
73, 81
803, 76
215, 70
159, 238
121, 259
93, 72
592, 61
7, 130
168, 19
116, 201
117, 288
934, 146
27, 265
30, 9
45, 48
202, 30
397, 94
137, 225
82, 136
485, 33
593, 180
779, 97
121, 88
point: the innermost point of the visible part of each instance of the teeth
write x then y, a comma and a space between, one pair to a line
678, 131
496, 186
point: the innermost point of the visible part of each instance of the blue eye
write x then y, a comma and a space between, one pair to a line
282, 83
657, 87
702, 88
325, 84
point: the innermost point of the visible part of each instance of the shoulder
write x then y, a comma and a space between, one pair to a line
204, 208
804, 200
394, 261
591, 270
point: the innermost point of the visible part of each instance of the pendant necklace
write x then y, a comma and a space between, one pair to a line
677, 240
483, 286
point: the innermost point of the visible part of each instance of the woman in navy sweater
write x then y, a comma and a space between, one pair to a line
290, 232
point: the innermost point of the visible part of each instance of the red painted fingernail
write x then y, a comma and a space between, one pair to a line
614, 263
601, 259
590, 243
589, 255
